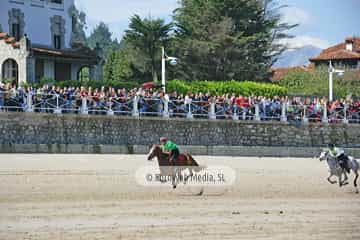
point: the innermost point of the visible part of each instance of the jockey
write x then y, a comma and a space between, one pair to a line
171, 148
339, 155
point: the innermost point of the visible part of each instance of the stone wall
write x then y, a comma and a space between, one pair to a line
34, 129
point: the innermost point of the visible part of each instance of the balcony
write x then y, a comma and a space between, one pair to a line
17, 1
57, 5
37, 3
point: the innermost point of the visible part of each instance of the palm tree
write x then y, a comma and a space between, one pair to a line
148, 35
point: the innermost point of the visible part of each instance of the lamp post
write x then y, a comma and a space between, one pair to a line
164, 58
331, 71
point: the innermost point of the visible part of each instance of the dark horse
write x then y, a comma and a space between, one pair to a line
183, 162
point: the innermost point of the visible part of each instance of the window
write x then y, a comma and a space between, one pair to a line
57, 41
58, 32
10, 71
15, 31
73, 24
57, 36
57, 1
16, 23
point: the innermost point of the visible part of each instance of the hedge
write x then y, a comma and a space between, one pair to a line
246, 88
215, 88
316, 83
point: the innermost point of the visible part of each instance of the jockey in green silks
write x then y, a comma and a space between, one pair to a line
171, 148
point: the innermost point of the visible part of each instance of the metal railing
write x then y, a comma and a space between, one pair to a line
18, 101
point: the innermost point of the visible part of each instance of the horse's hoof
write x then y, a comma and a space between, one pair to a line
343, 184
174, 187
201, 192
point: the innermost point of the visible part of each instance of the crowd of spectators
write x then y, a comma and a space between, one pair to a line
151, 102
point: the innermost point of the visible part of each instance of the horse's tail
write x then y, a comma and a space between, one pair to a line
356, 172
353, 163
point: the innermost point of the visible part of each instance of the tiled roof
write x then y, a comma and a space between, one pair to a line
339, 51
3, 35
279, 73
9, 40
338, 54
78, 53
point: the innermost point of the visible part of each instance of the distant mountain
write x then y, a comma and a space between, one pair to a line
297, 57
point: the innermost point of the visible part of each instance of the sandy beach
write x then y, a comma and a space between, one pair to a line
97, 197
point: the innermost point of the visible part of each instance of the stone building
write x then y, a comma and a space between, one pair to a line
37, 41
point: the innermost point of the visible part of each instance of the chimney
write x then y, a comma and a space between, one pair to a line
349, 44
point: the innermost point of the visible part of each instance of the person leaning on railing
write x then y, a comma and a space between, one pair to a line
2, 95
46, 99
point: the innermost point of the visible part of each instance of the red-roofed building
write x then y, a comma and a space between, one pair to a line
276, 74
345, 55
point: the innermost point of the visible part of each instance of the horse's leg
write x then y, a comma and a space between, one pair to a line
344, 182
173, 179
355, 179
175, 176
162, 175
340, 181
191, 173
329, 179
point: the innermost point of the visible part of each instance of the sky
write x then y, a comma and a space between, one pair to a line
323, 23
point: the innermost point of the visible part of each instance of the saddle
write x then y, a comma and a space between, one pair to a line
344, 163
184, 158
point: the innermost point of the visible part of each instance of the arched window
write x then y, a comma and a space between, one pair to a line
10, 71
84, 74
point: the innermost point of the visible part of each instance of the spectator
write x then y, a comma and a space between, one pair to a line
151, 102
2, 96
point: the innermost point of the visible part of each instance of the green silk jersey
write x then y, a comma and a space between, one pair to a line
169, 146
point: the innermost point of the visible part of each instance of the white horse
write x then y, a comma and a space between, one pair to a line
336, 170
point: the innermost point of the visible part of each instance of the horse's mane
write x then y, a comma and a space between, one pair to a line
161, 151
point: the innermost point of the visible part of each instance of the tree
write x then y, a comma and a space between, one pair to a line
101, 35
224, 40
147, 36
117, 66
127, 64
